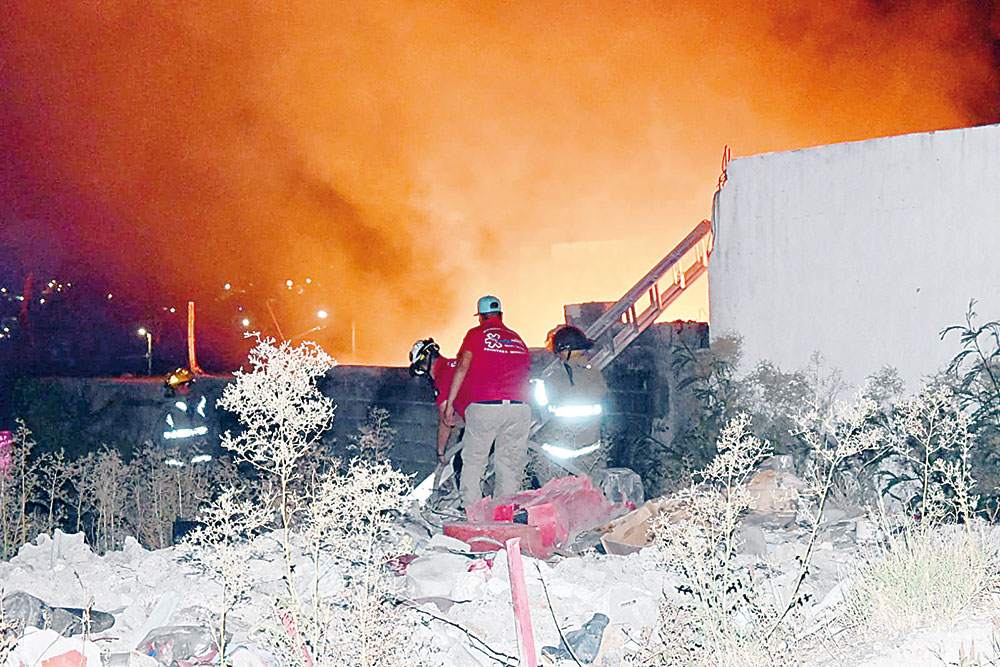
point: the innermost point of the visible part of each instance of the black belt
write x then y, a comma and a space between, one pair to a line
503, 401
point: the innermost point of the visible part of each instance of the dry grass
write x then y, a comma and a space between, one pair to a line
923, 577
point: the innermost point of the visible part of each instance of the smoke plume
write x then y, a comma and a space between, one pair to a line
409, 156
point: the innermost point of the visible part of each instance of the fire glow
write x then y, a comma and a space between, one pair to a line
414, 157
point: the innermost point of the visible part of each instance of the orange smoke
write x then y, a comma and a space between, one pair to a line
412, 156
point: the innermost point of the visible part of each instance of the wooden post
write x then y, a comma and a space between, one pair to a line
522, 611
192, 357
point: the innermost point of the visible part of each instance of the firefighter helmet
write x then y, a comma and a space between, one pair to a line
568, 337
178, 380
422, 355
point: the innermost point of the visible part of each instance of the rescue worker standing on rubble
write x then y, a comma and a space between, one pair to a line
426, 361
492, 374
573, 393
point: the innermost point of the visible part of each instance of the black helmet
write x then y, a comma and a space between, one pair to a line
568, 337
422, 355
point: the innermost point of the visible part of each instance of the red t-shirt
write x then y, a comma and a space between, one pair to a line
500, 364
444, 371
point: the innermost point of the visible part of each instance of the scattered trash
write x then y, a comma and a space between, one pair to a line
173, 643
630, 533
444, 575
585, 642
620, 485
131, 659
159, 617
32, 612
399, 564
49, 648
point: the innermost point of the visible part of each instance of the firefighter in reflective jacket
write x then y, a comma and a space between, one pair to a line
573, 394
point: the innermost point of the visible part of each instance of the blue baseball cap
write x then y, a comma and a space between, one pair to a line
488, 305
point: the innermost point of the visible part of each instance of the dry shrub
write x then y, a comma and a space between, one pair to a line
376, 437
722, 617
221, 548
340, 517
728, 617
10, 633
350, 522
936, 560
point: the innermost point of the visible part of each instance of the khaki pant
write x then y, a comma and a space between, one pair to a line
506, 428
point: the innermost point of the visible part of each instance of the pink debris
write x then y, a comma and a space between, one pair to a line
481, 565
504, 512
556, 513
6, 454
491, 536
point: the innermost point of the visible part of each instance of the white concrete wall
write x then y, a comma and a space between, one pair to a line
863, 251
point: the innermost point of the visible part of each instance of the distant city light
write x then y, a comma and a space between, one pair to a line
110, 295
42, 300
309, 281
3, 290
227, 286
246, 322
322, 314
239, 308
142, 332
173, 310
288, 284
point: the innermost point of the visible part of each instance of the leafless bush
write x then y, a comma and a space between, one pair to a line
936, 559
17, 486
338, 516
723, 617
352, 516
10, 632
54, 476
932, 440
727, 617
283, 416
376, 436
222, 548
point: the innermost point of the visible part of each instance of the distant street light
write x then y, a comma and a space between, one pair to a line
143, 332
322, 314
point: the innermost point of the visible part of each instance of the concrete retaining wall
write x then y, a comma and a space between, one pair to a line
82, 414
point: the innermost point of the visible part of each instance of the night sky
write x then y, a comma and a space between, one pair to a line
409, 156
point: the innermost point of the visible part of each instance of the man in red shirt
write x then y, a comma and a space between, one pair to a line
492, 376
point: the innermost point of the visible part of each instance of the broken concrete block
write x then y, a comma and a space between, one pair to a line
629, 533
67, 621
774, 491
49, 648
435, 575
620, 485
